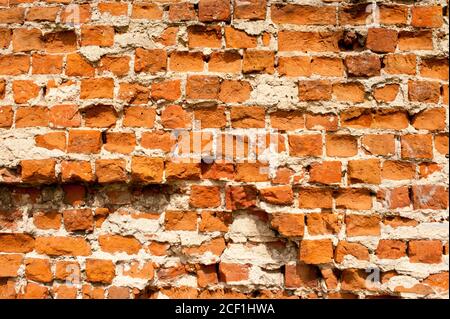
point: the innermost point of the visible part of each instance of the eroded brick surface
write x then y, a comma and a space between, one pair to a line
343, 104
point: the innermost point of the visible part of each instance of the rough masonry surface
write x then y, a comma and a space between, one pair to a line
224, 149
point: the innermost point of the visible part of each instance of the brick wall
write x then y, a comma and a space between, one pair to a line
115, 117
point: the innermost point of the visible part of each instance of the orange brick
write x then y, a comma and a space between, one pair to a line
258, 62
63, 246
361, 225
251, 172
353, 198
303, 14
184, 61
205, 196
251, 9
38, 270
327, 66
290, 225
97, 35
398, 170
123, 143
25, 91
233, 272
24, 40
100, 271
31, 116
382, 144
327, 122
9, 264
364, 171
148, 11
158, 140
14, 64
84, 141
150, 61
312, 198
247, 117
416, 146
97, 88
235, 38
76, 171
76, 65
47, 64
349, 92
180, 220
174, 116
226, 62
415, 40
301, 275
214, 10
113, 8
202, 87
277, 195
189, 171
426, 16
393, 14
215, 221
294, 66
169, 90
391, 249
183, 11
305, 145
110, 170
325, 173
118, 65
425, 251
51, 141
316, 251
356, 250
139, 116
38, 171
314, 90
323, 223
147, 170
117, 244
400, 64
47, 220
204, 37
134, 93
382, 40
422, 91
341, 145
